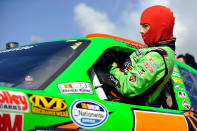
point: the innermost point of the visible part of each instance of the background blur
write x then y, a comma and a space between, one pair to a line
30, 21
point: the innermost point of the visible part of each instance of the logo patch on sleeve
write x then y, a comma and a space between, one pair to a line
148, 66
133, 78
141, 72
153, 62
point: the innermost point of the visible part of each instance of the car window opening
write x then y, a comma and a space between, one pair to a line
166, 98
100, 68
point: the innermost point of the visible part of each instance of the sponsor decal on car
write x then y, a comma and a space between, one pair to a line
75, 87
13, 101
141, 72
132, 45
182, 94
153, 62
147, 66
88, 113
71, 40
48, 105
175, 69
11, 122
177, 86
158, 121
177, 80
133, 78
186, 104
76, 45
175, 74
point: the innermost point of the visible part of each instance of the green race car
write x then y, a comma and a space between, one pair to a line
61, 85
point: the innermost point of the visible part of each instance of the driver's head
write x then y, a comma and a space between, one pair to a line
157, 24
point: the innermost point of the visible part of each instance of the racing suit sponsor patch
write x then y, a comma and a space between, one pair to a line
141, 72
11, 122
147, 66
130, 68
135, 59
88, 113
13, 101
133, 78
138, 52
75, 87
153, 62
114, 80
127, 65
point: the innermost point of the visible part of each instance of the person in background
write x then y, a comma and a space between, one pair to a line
188, 59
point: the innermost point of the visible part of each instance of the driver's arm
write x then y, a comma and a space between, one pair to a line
143, 75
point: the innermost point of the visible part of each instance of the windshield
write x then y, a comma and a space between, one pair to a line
30, 67
190, 81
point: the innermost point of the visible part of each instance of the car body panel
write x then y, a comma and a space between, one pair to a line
62, 104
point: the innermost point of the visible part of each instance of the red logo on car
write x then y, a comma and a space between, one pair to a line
13, 101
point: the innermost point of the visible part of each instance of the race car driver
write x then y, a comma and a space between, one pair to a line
141, 78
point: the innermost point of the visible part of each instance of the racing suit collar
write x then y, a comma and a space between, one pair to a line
170, 43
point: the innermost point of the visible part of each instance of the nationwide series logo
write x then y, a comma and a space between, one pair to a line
13, 101
48, 105
88, 114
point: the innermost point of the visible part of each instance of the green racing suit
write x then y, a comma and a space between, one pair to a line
143, 75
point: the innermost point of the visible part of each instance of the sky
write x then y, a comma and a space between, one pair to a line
27, 21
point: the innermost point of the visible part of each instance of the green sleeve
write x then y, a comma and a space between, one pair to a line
146, 71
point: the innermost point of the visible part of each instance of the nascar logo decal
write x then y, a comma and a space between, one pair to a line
48, 105
88, 114
13, 101
75, 87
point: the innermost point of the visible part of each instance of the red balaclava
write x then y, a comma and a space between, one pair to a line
161, 21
